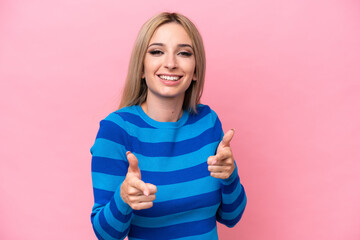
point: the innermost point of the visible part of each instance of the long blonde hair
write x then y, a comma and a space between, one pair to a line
135, 90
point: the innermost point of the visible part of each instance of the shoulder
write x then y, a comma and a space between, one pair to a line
127, 119
204, 114
205, 111
117, 120
123, 114
127, 116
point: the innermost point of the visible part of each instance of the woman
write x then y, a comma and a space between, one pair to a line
162, 167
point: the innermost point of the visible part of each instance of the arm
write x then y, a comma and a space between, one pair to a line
223, 166
110, 216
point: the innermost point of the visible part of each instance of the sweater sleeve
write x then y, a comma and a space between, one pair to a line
233, 200
111, 216
233, 197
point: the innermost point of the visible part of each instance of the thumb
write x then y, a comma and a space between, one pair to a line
133, 163
227, 138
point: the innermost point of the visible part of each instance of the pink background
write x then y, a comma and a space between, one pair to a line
285, 74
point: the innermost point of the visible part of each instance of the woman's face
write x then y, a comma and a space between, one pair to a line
169, 63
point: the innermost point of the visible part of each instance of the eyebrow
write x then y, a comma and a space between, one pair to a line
179, 45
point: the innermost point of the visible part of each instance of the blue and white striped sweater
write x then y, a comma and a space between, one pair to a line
172, 156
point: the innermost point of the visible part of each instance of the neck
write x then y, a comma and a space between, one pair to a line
163, 111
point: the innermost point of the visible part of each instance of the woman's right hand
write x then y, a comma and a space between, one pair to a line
136, 193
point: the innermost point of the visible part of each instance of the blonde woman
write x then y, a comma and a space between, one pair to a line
161, 166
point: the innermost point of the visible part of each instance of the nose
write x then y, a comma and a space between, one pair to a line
170, 61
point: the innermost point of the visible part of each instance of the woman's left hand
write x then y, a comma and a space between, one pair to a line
222, 164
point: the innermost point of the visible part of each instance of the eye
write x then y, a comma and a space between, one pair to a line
155, 52
186, 54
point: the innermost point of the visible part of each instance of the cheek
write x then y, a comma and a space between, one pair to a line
150, 67
188, 67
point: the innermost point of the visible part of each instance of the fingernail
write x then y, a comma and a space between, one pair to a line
233, 129
127, 153
146, 193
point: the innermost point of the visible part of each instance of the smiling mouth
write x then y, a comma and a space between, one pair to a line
169, 78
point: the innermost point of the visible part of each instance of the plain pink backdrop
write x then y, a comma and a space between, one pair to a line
285, 74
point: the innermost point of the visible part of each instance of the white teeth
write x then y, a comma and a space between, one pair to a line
169, 78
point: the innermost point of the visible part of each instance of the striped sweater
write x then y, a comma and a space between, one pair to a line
172, 156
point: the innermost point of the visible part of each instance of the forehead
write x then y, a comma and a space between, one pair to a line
170, 33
